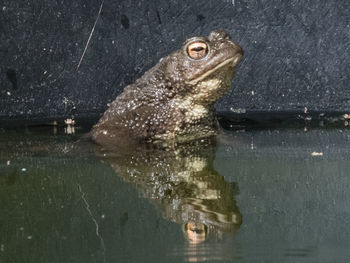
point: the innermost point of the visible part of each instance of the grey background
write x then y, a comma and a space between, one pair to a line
296, 52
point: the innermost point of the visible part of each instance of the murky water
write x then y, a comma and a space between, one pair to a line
251, 196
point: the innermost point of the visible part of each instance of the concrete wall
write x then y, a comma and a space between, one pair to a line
296, 52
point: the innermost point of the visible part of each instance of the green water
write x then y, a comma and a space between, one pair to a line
250, 196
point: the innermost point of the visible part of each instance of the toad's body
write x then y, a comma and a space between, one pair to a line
175, 99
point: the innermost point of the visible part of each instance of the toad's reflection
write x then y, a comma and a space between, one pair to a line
196, 232
183, 185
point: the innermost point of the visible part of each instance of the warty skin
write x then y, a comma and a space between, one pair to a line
174, 100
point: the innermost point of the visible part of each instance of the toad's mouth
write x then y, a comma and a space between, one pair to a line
233, 61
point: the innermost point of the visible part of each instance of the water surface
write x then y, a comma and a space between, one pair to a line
272, 195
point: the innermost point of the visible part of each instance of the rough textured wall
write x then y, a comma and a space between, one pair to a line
296, 52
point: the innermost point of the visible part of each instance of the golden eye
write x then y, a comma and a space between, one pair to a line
197, 50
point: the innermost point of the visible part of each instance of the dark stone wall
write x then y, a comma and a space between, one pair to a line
296, 52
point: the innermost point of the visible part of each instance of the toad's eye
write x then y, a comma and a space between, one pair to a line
197, 50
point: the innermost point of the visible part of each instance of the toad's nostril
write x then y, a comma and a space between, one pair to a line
237, 47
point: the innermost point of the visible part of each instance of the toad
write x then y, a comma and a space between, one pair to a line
175, 99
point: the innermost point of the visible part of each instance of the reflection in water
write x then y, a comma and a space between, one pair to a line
58, 201
182, 184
